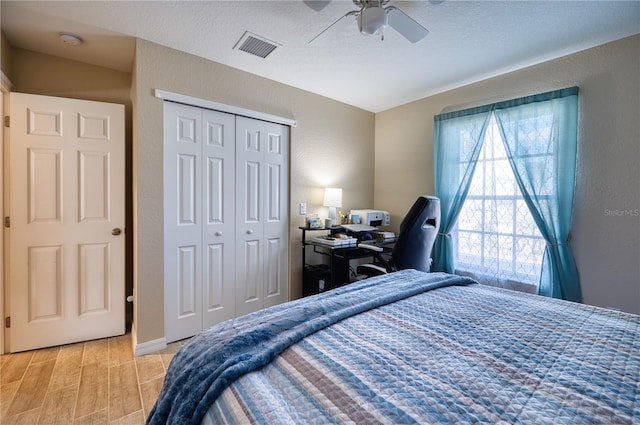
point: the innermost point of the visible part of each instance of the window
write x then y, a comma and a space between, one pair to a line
496, 240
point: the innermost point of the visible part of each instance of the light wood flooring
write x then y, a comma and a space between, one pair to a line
95, 382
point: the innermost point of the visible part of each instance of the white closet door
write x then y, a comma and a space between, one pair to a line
261, 214
218, 226
276, 228
183, 221
250, 140
199, 203
226, 217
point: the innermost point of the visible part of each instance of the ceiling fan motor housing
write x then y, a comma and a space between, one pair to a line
372, 20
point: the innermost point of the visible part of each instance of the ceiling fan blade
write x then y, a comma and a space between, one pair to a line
317, 5
340, 20
407, 27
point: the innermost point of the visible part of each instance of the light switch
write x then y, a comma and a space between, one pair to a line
303, 208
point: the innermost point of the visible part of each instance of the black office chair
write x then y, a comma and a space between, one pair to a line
414, 243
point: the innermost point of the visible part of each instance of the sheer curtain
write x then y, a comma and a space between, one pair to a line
540, 136
457, 144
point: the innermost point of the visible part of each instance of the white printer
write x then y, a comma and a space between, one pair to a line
373, 218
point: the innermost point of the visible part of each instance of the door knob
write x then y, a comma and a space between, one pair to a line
218, 233
116, 232
249, 231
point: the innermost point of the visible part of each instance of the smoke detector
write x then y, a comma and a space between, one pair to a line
70, 39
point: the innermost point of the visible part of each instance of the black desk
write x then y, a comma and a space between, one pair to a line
336, 273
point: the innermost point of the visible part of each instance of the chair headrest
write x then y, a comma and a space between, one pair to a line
425, 213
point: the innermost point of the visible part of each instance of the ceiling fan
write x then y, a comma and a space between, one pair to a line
374, 15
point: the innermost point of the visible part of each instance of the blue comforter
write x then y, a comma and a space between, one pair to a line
205, 366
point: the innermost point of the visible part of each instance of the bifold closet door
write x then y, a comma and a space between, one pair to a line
261, 214
218, 236
199, 200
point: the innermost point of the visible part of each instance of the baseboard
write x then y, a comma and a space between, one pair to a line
145, 347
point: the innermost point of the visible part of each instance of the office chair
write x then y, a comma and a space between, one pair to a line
416, 236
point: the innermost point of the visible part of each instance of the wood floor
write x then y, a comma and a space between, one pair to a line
96, 382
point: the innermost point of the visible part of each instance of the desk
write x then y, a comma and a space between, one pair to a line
336, 273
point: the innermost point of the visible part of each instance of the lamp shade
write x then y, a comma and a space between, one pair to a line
332, 197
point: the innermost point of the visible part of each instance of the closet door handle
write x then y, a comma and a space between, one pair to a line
249, 231
218, 233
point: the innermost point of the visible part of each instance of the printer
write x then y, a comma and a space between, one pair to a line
373, 218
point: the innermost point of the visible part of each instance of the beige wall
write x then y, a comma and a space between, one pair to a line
5, 56
332, 145
37, 73
606, 230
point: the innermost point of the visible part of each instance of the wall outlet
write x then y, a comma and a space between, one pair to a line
303, 208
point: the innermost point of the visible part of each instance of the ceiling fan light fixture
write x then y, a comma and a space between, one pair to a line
372, 20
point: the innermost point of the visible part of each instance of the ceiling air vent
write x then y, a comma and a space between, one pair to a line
256, 45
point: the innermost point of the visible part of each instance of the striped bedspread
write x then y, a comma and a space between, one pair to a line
458, 354
205, 366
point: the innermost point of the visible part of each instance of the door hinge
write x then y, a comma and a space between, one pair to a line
7, 322
7, 121
7, 221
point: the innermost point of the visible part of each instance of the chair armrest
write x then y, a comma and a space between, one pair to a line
371, 247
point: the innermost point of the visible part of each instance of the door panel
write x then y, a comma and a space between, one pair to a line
94, 127
188, 186
188, 282
251, 191
199, 219
218, 233
44, 182
94, 186
250, 147
45, 283
262, 251
273, 268
94, 285
183, 227
215, 283
276, 227
67, 194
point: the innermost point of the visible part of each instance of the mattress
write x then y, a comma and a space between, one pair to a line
411, 347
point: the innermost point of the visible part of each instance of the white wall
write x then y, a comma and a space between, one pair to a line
606, 225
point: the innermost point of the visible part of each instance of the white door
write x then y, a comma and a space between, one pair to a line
66, 237
199, 193
218, 225
276, 226
261, 214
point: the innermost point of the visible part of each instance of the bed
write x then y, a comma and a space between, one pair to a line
410, 348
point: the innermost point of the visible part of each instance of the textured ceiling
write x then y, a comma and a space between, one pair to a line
468, 40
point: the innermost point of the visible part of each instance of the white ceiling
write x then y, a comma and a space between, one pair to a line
468, 41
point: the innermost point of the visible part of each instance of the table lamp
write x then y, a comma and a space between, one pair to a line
333, 200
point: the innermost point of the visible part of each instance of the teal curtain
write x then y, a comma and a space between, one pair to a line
457, 145
540, 136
